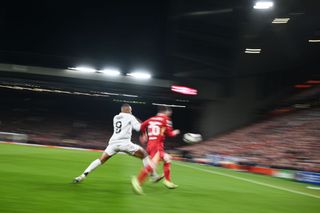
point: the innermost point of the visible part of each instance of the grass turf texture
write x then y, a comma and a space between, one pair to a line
37, 179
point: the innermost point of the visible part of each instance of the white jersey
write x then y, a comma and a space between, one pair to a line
122, 127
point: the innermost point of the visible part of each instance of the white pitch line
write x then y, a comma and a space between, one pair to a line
312, 187
249, 180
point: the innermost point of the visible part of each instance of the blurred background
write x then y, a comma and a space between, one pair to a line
244, 75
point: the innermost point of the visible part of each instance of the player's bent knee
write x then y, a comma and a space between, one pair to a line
167, 158
140, 153
104, 157
145, 154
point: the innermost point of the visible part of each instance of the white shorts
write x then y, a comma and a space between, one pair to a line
128, 147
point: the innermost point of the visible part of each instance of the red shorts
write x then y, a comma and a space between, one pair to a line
153, 148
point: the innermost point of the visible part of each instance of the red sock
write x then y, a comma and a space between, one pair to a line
143, 174
166, 170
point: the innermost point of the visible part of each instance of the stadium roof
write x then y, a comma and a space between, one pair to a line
178, 40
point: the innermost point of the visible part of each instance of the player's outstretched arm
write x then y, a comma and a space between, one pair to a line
176, 132
173, 133
135, 123
169, 130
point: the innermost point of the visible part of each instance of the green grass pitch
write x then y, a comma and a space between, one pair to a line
38, 179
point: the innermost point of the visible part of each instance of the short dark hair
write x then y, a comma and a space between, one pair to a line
164, 109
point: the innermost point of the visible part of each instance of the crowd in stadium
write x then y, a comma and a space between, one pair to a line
288, 141
45, 128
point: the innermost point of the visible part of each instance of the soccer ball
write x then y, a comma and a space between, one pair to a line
192, 138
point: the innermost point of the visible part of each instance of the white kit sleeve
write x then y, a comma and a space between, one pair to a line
135, 124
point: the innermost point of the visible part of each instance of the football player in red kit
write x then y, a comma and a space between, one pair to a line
157, 128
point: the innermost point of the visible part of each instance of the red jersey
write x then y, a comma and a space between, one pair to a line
157, 127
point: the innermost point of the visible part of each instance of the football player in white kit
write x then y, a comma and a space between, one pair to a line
120, 141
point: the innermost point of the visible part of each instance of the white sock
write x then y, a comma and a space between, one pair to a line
92, 166
146, 161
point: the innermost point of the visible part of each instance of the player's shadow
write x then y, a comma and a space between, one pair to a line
101, 187
98, 187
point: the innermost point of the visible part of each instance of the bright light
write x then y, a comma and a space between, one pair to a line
110, 93
314, 40
184, 90
280, 20
83, 69
110, 72
252, 51
169, 105
131, 96
262, 5
140, 75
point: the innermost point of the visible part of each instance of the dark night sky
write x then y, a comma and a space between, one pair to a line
165, 37
188, 41
121, 33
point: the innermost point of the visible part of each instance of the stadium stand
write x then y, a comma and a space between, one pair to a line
284, 141
45, 128
289, 141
